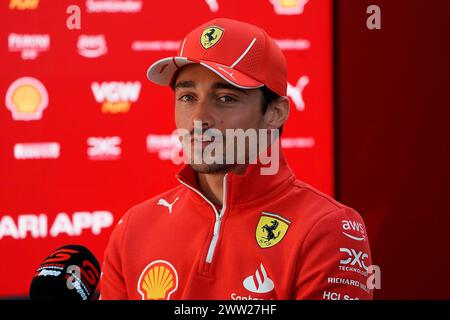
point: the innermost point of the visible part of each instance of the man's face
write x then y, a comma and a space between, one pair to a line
201, 95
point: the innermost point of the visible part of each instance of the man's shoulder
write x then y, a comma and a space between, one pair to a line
167, 196
315, 205
312, 194
147, 212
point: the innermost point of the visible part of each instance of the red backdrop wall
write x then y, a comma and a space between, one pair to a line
393, 145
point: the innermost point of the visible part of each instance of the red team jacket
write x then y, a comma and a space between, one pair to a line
276, 237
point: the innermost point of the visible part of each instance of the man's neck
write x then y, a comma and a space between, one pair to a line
211, 184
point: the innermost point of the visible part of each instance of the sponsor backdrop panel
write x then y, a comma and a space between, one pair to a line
84, 136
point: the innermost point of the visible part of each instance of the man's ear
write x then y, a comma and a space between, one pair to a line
277, 113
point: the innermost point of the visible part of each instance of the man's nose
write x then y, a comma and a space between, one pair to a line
203, 113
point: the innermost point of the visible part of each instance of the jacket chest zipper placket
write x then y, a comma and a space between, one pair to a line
219, 217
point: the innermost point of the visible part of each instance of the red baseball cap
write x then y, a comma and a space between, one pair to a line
242, 54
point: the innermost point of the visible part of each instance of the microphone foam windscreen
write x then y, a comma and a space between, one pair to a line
70, 273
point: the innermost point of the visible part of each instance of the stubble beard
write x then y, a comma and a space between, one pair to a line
212, 168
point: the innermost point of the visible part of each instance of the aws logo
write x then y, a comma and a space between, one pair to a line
92, 46
158, 281
354, 230
210, 36
116, 96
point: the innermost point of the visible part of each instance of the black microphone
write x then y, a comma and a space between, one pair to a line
70, 273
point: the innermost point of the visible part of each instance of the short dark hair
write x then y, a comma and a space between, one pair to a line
268, 96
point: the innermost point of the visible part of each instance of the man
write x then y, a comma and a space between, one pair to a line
231, 230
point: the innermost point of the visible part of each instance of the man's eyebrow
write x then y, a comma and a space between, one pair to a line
184, 84
215, 86
223, 85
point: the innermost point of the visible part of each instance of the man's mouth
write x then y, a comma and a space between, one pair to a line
201, 140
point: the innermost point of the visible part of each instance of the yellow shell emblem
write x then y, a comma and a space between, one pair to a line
288, 3
26, 98
210, 36
158, 281
271, 229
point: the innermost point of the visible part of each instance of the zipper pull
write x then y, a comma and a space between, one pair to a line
217, 225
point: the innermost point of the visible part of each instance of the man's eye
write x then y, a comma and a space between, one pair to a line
227, 99
186, 98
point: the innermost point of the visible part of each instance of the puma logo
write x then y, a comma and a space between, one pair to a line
296, 93
213, 5
163, 202
229, 73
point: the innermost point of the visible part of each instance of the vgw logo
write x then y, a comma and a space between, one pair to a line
23, 4
116, 96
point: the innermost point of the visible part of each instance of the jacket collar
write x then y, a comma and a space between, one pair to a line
247, 187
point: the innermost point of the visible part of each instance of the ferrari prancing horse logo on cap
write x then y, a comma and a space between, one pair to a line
210, 36
271, 229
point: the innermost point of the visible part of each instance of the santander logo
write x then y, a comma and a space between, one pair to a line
259, 282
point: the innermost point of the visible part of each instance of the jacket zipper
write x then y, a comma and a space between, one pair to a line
219, 216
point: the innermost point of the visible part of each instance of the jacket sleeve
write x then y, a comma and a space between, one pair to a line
334, 259
112, 282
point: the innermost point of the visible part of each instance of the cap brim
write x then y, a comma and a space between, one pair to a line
161, 72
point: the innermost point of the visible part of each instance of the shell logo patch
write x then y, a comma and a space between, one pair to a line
289, 7
210, 36
158, 281
26, 98
271, 229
